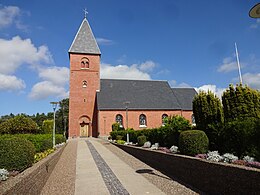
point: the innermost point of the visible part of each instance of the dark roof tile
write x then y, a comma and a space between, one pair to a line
185, 97
142, 95
84, 41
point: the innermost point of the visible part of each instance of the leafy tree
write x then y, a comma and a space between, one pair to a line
47, 126
170, 132
19, 124
241, 137
6, 117
62, 116
39, 118
241, 102
207, 110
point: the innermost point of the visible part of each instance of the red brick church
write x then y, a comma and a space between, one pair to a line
95, 104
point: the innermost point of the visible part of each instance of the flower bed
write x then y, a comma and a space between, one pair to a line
206, 176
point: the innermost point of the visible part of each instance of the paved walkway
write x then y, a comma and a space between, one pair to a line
87, 166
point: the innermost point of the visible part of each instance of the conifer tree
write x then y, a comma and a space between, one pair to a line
241, 102
207, 110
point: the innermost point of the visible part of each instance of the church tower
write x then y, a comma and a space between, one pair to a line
84, 57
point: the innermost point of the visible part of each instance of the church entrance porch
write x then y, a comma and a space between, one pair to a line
84, 129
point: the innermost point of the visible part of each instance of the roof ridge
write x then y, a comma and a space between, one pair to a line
136, 80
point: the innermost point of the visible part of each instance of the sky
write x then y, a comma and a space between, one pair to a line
188, 43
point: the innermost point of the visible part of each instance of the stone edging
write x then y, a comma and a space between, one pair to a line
207, 177
32, 180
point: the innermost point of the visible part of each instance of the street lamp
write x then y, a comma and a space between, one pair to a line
65, 127
54, 106
104, 117
126, 113
255, 11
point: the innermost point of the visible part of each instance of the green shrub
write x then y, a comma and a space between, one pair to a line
193, 142
114, 134
47, 126
41, 142
119, 137
132, 135
39, 156
46, 144
117, 127
141, 140
120, 142
241, 137
16, 153
19, 124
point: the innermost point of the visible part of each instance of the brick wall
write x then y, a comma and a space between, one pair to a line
153, 117
207, 177
32, 180
82, 99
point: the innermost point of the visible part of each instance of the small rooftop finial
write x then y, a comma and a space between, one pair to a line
85, 12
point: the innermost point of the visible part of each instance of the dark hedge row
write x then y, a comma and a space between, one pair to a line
41, 142
16, 153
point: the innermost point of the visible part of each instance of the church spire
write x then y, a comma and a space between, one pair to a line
84, 41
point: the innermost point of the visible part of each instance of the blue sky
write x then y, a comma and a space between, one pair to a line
189, 43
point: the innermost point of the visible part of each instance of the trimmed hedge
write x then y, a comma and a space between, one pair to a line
193, 142
16, 153
167, 135
41, 142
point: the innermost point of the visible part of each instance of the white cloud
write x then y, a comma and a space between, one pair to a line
256, 24
103, 41
212, 88
123, 72
173, 83
55, 80
56, 75
252, 80
8, 15
11, 83
228, 65
45, 89
147, 66
15, 52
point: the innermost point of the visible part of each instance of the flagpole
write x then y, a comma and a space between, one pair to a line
238, 64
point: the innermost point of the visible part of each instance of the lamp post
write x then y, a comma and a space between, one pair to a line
104, 117
54, 106
126, 113
65, 127
255, 11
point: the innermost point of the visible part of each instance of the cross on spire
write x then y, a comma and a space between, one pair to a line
85, 12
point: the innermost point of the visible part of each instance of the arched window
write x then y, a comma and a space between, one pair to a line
84, 84
193, 122
119, 119
164, 116
142, 120
84, 63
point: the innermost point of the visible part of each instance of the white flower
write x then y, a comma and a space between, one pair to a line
174, 149
214, 156
3, 174
248, 159
229, 158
